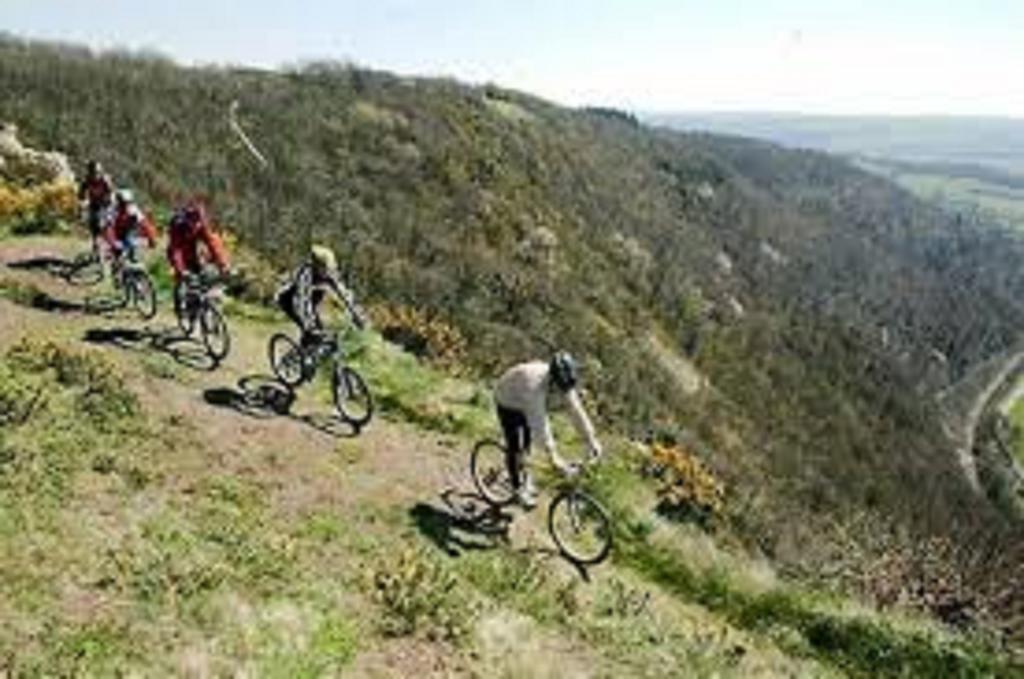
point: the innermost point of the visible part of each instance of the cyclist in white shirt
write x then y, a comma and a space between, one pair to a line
521, 397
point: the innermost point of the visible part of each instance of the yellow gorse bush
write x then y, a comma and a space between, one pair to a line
49, 202
423, 335
686, 482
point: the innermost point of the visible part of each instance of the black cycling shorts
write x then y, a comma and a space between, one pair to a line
517, 441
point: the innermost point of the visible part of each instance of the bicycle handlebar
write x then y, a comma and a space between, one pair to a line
576, 469
203, 279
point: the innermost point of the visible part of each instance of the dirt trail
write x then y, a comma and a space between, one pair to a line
394, 463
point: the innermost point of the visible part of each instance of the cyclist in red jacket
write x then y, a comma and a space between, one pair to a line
189, 227
128, 225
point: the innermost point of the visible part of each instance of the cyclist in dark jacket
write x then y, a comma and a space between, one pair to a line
96, 191
300, 298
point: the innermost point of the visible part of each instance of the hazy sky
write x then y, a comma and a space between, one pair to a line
822, 56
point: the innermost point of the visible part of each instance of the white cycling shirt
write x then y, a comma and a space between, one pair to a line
524, 387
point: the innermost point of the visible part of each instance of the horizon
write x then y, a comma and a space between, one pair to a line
835, 116
796, 57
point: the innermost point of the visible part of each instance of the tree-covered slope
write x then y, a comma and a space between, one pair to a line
824, 305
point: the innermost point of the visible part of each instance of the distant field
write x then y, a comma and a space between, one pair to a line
988, 142
998, 198
1017, 417
965, 164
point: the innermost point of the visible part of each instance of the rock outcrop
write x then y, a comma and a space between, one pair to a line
25, 166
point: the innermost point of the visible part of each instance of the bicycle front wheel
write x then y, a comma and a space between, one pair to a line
286, 360
580, 527
141, 294
489, 470
351, 396
216, 337
184, 310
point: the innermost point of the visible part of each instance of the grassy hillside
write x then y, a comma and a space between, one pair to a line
150, 524
822, 304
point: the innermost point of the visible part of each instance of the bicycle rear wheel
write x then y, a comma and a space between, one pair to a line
489, 470
216, 337
580, 527
141, 294
351, 396
286, 360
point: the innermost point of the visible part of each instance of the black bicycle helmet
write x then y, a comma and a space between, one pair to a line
564, 372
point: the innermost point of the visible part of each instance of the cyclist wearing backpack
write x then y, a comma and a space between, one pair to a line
300, 298
521, 397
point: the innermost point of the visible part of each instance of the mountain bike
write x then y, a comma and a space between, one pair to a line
295, 363
135, 286
196, 303
580, 527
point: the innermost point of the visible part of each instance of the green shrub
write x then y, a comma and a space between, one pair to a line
101, 393
19, 396
420, 594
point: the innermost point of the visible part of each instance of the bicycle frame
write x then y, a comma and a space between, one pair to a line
325, 350
122, 268
571, 511
198, 292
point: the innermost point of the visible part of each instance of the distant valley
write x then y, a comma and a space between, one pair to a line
973, 165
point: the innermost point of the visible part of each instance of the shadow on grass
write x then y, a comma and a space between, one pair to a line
184, 350
31, 296
80, 270
43, 301
465, 522
48, 263
263, 397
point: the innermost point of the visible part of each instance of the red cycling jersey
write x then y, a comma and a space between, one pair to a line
97, 190
186, 233
128, 220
